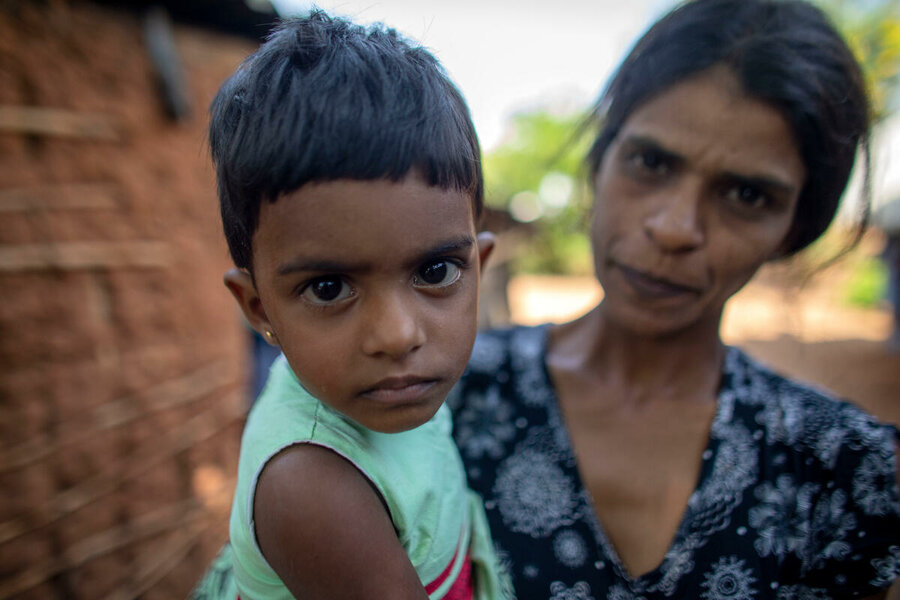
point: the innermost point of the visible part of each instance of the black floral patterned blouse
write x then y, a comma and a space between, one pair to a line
797, 496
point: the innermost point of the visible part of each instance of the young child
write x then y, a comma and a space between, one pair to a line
350, 181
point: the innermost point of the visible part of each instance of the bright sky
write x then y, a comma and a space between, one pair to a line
512, 55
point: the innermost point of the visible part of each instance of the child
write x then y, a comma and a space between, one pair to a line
350, 181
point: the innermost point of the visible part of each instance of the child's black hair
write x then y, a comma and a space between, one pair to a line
325, 99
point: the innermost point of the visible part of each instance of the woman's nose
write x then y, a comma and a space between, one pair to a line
391, 326
675, 223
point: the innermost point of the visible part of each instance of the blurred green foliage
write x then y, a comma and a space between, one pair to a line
867, 284
872, 28
537, 173
537, 176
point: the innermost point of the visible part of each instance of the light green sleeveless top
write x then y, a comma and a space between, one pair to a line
419, 474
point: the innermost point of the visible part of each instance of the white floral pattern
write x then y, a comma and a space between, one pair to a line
570, 548
533, 494
529, 383
579, 591
678, 562
797, 498
488, 355
781, 519
620, 592
476, 437
829, 531
871, 485
734, 469
801, 592
888, 568
729, 580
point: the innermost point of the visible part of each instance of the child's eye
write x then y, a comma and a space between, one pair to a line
437, 273
326, 290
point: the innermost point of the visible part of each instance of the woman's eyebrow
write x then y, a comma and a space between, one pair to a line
768, 182
772, 184
648, 143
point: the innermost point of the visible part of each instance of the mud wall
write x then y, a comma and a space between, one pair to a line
122, 370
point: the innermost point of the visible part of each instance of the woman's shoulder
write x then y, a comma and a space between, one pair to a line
496, 348
801, 415
823, 465
509, 362
506, 382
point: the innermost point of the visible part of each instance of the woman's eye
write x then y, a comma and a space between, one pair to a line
746, 197
649, 161
326, 290
437, 273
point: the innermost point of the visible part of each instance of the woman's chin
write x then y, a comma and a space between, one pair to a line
648, 323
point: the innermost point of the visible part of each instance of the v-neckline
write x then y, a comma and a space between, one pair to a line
609, 551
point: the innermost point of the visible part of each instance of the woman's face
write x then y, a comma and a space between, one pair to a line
694, 194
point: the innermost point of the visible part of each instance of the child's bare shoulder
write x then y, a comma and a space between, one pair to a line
325, 530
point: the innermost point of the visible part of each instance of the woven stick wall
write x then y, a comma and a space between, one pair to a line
121, 355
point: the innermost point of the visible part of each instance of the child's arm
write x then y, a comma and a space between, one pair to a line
326, 532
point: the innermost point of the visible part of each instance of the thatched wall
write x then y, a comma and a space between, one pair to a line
121, 355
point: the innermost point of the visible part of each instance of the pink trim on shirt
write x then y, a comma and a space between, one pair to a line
463, 588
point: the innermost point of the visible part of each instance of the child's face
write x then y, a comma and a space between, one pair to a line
370, 288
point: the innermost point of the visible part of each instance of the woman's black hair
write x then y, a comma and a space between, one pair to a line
325, 99
784, 52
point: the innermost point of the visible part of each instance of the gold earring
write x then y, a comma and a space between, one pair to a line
270, 335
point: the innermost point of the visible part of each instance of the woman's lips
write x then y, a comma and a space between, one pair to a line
400, 390
654, 287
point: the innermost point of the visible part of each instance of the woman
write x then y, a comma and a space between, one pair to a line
631, 454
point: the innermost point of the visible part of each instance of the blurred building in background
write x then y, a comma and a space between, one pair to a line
122, 357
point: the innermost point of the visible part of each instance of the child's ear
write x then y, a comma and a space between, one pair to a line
485, 241
241, 286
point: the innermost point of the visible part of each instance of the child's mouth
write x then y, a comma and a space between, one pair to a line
400, 390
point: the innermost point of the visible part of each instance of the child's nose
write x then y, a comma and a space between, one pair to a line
391, 326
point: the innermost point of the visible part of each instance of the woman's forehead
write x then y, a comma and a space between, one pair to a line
707, 117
